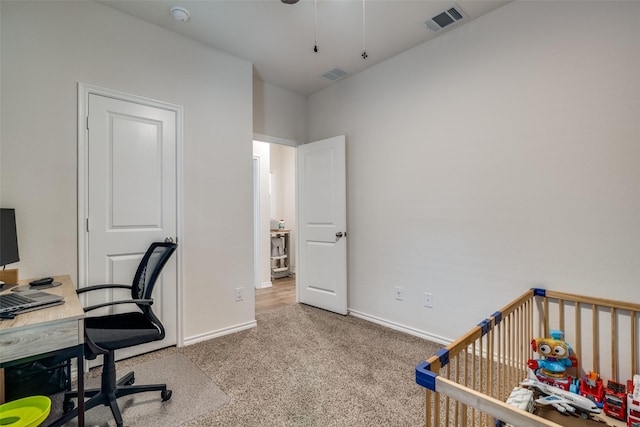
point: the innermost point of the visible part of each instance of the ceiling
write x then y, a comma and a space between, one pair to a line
278, 39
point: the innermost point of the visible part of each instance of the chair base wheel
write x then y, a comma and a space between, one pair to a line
67, 406
166, 395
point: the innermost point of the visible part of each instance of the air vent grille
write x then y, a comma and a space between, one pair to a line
454, 14
334, 74
446, 18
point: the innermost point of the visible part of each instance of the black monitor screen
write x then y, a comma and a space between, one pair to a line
8, 237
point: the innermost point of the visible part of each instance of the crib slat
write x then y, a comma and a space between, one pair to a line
473, 380
594, 337
614, 351
634, 356
545, 314
457, 374
578, 341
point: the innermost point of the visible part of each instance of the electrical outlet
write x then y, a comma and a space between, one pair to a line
399, 293
239, 294
428, 300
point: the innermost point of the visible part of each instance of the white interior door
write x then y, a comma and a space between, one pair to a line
132, 201
322, 225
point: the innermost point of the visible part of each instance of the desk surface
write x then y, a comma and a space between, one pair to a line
43, 330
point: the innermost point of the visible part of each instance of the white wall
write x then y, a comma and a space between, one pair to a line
502, 155
279, 114
262, 152
47, 47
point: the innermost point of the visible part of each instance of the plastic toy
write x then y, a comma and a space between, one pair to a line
615, 400
592, 388
563, 401
557, 356
521, 398
633, 402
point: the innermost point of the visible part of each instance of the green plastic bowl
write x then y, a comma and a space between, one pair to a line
26, 412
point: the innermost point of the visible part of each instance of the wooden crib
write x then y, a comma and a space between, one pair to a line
468, 382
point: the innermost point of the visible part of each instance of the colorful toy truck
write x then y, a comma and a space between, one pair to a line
633, 402
615, 400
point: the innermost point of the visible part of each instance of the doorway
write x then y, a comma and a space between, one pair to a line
274, 206
314, 217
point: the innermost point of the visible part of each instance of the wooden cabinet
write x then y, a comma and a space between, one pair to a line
280, 260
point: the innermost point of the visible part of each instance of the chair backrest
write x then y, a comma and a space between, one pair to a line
149, 269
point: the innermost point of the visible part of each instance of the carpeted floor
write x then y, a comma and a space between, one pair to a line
303, 366
300, 366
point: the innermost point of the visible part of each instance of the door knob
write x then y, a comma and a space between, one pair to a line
340, 234
168, 239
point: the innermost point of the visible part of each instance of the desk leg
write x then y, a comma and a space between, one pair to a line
80, 370
2, 397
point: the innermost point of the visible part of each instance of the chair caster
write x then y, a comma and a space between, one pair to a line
166, 395
67, 406
132, 381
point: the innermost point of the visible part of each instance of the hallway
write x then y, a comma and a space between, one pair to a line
281, 294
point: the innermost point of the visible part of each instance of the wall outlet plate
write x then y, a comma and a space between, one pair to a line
428, 300
399, 293
239, 294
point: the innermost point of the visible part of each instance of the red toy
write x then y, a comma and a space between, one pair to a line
633, 402
615, 400
591, 387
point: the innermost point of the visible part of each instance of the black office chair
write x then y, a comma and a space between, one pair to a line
106, 334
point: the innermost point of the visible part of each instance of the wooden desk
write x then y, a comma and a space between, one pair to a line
42, 333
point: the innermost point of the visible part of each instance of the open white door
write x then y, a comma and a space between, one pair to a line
322, 222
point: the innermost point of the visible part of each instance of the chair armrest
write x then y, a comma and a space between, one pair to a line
128, 301
105, 286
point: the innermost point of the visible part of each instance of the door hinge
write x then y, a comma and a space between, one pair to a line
87, 122
87, 223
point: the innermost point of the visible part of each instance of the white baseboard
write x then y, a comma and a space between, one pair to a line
392, 325
402, 328
220, 332
265, 285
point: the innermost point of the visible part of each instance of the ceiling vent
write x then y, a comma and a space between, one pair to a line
446, 18
334, 74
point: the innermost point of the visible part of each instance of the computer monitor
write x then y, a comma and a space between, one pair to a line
8, 237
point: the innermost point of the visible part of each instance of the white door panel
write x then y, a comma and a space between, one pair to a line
322, 255
136, 173
132, 202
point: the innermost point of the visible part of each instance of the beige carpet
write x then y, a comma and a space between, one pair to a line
300, 366
303, 366
194, 394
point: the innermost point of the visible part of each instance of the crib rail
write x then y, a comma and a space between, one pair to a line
468, 381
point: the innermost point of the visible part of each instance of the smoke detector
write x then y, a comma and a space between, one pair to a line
180, 14
446, 18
